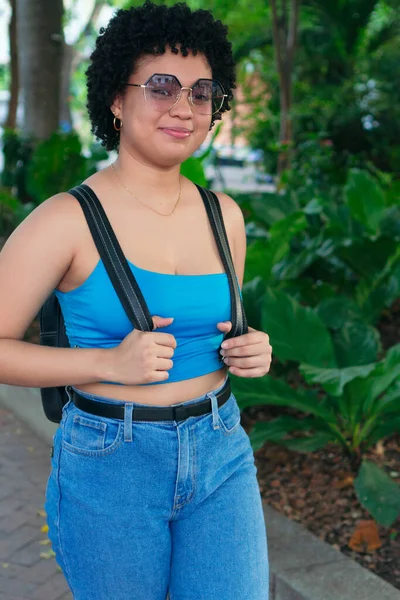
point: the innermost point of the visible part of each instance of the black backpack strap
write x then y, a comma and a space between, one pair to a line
113, 258
214, 213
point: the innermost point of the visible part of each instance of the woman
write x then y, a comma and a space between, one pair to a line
140, 508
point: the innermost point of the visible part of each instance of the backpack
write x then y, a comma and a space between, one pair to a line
52, 326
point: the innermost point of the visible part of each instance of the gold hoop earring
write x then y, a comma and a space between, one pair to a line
115, 126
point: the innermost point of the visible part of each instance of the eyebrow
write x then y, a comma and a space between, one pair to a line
172, 75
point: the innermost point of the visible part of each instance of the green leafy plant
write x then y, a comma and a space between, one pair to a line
12, 212
56, 164
321, 269
354, 406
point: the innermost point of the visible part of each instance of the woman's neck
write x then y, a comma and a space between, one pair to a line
159, 187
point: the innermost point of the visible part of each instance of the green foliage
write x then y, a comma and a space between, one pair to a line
12, 212
297, 331
37, 171
321, 269
378, 493
4, 77
17, 152
193, 169
344, 95
56, 164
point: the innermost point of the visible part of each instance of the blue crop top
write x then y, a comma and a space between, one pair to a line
95, 318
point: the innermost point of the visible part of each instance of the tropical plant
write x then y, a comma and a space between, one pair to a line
320, 271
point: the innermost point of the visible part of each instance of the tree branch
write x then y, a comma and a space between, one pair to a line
98, 5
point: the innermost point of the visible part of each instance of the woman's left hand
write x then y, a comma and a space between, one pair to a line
247, 355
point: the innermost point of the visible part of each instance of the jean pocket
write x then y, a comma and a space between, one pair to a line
91, 436
229, 416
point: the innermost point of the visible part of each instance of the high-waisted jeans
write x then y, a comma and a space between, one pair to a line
137, 509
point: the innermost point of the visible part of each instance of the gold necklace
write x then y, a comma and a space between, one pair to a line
146, 205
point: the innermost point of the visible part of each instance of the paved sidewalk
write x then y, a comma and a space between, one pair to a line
24, 469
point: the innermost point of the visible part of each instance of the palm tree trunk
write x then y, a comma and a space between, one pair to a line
40, 47
11, 119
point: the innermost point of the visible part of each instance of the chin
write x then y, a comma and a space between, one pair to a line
172, 159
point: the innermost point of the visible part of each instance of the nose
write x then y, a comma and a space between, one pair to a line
184, 105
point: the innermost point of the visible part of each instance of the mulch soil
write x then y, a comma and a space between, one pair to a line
316, 489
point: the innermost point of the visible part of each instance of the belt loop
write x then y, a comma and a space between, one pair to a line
214, 408
128, 421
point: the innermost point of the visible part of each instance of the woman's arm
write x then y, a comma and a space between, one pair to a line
247, 355
32, 263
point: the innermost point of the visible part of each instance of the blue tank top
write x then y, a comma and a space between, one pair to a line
95, 318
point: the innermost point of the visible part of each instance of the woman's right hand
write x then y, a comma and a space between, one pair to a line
143, 356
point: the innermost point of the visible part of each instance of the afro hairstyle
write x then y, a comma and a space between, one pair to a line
149, 29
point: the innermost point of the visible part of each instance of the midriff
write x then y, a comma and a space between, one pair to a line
163, 395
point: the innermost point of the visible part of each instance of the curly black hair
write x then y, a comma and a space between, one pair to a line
148, 29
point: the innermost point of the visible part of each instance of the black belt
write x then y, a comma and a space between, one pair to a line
150, 413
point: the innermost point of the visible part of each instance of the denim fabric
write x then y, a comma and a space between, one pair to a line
139, 509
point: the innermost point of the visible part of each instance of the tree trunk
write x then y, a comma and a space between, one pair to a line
285, 35
11, 120
71, 58
40, 46
66, 70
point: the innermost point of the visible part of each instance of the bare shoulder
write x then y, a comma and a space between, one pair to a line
34, 259
230, 208
232, 215
57, 218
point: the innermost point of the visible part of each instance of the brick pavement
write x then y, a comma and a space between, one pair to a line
24, 470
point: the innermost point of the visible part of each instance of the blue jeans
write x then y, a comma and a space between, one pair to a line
137, 509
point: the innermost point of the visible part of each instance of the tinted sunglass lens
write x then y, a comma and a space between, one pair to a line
162, 91
217, 98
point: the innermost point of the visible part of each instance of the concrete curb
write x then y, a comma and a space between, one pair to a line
302, 566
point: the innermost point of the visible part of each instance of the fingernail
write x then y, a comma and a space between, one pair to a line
224, 345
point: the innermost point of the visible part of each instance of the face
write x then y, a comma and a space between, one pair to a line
160, 136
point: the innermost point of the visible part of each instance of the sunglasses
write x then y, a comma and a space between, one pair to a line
163, 91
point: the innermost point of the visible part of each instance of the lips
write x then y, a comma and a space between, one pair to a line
177, 132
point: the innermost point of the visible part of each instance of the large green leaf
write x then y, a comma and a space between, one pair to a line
307, 291
380, 291
281, 234
310, 443
336, 310
367, 257
263, 254
253, 293
390, 224
271, 208
296, 331
372, 388
296, 264
258, 256
266, 390
289, 226
378, 493
334, 380
277, 429
192, 168
356, 343
383, 429
365, 199
390, 401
